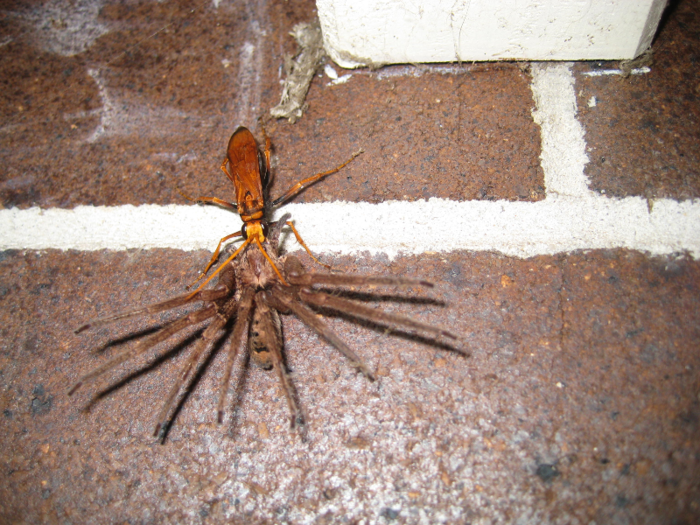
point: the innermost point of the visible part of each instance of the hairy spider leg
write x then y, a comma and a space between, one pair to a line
199, 355
204, 295
282, 300
275, 344
240, 329
146, 344
324, 300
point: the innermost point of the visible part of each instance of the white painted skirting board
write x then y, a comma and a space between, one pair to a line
571, 217
379, 32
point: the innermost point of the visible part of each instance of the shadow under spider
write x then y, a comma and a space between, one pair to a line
109, 388
249, 295
395, 332
129, 337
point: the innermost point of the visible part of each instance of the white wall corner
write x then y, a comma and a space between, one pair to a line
378, 32
656, 10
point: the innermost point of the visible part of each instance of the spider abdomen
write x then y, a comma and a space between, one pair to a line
265, 334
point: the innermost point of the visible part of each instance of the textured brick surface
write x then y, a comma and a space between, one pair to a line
462, 134
580, 401
654, 118
150, 106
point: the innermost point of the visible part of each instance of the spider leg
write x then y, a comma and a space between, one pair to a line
207, 340
148, 343
203, 295
273, 235
273, 341
283, 301
296, 274
360, 311
347, 279
239, 330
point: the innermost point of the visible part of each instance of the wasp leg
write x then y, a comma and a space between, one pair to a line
291, 192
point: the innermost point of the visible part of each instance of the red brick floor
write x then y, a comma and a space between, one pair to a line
580, 402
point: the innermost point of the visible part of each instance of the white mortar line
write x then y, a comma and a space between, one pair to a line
608, 72
563, 154
570, 218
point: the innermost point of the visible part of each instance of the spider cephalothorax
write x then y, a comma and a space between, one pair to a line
250, 293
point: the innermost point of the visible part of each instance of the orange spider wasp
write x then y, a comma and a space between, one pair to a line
249, 170
255, 286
